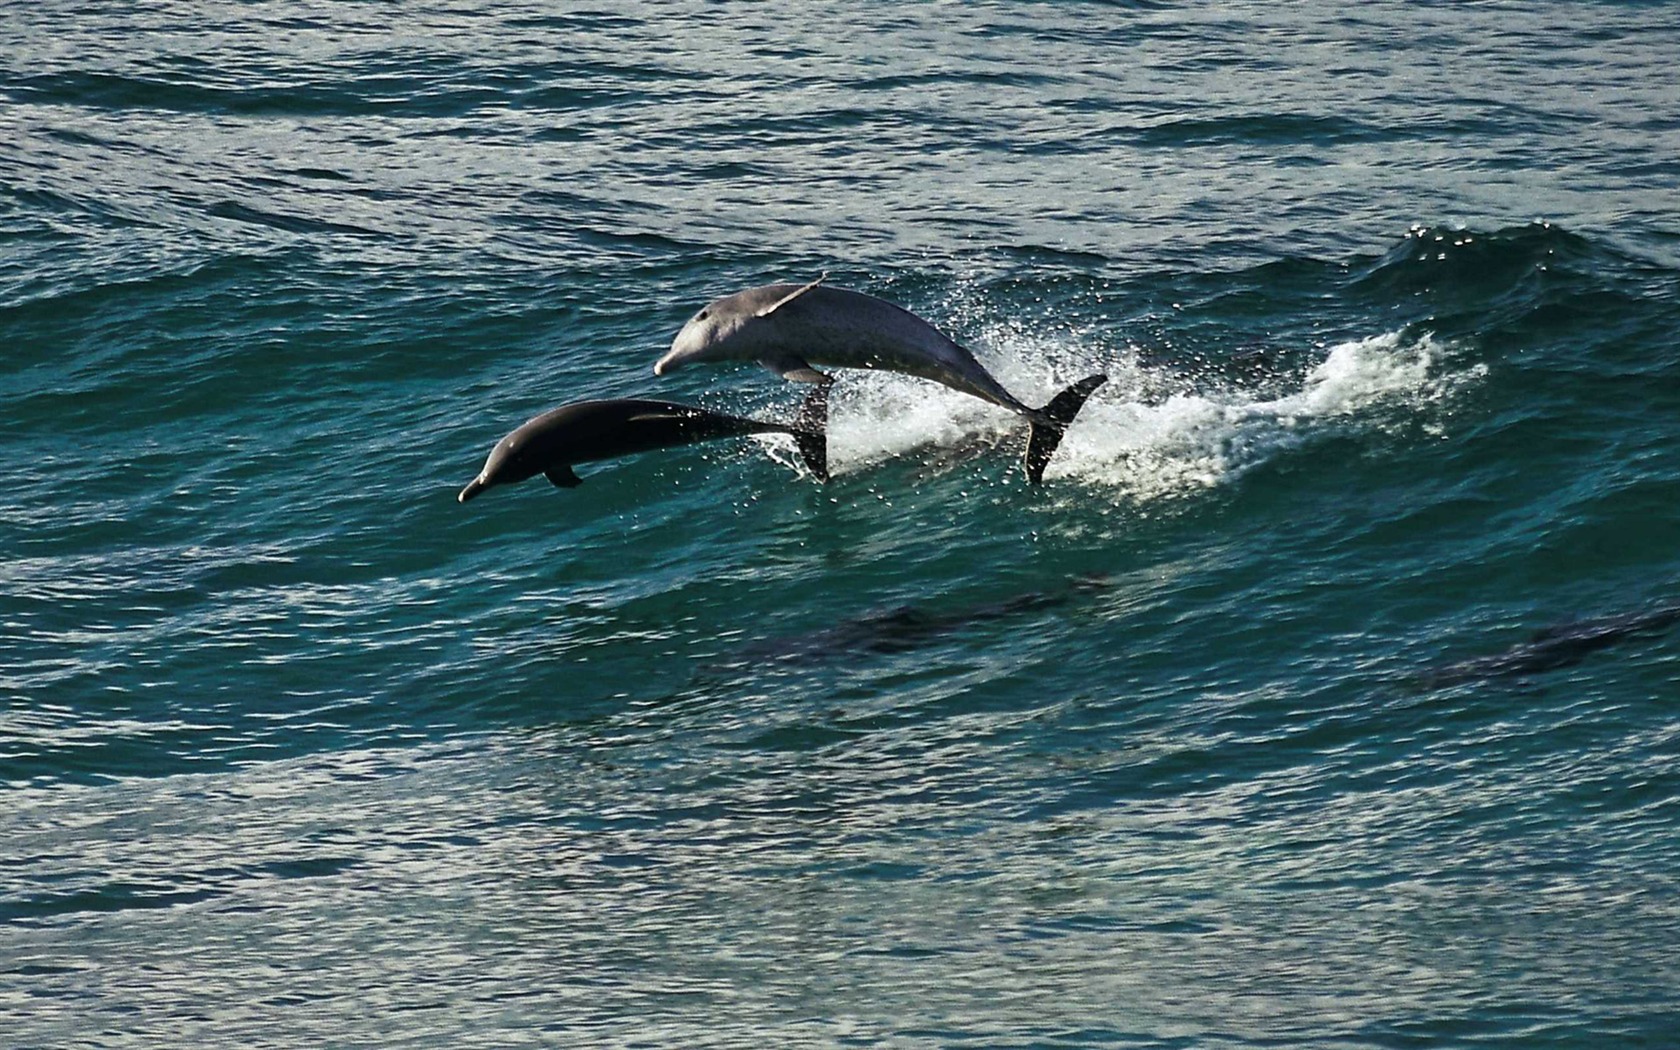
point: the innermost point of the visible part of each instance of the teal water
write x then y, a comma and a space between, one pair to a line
1325, 695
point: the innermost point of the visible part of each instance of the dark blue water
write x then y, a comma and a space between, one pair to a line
1326, 695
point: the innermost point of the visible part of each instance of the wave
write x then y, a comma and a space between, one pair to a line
1200, 440
1438, 256
1137, 446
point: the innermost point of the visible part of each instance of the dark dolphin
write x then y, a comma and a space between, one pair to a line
1553, 647
788, 327
584, 431
906, 627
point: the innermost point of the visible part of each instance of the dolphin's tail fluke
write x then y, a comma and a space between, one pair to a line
810, 431
1047, 432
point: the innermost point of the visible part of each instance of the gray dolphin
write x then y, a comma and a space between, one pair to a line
590, 430
787, 327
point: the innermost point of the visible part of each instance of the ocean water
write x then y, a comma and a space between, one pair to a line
1327, 695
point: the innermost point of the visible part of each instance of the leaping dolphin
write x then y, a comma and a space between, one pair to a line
788, 327
583, 431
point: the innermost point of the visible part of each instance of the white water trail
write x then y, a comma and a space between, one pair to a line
1147, 447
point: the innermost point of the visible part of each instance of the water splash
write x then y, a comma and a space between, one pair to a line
1139, 443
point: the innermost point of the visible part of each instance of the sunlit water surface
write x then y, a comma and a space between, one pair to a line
1324, 696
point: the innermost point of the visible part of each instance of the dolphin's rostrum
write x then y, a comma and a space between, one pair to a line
584, 431
790, 327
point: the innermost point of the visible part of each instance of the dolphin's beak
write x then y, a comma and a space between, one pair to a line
474, 487
665, 364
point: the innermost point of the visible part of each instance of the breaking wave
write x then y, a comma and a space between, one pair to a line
1141, 439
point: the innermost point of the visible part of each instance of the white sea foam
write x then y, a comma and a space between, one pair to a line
1131, 438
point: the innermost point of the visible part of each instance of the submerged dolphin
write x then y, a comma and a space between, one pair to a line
589, 430
1553, 647
906, 627
787, 327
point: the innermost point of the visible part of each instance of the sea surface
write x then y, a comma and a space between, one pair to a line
1326, 695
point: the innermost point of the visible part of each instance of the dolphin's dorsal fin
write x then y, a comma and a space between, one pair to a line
664, 414
791, 296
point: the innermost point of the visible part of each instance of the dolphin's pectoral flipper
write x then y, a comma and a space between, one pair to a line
561, 476
810, 431
1047, 433
796, 368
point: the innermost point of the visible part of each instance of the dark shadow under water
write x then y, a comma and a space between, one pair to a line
1562, 645
903, 628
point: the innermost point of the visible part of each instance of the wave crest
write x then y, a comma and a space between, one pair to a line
1146, 446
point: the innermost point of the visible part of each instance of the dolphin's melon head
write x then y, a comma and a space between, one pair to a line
713, 334
739, 327
515, 458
